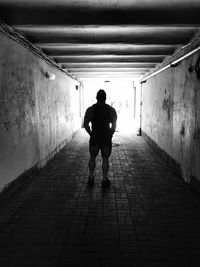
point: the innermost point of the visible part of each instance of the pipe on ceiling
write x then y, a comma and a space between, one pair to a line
171, 64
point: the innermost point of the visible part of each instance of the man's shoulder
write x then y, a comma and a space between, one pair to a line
90, 108
89, 111
111, 108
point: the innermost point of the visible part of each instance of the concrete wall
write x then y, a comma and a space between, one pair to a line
171, 115
36, 115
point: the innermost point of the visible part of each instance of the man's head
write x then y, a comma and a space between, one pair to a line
101, 96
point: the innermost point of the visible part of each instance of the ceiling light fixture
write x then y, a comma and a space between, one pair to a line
50, 76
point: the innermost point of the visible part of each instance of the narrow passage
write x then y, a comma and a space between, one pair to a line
147, 217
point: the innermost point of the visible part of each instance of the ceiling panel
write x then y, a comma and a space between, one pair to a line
92, 38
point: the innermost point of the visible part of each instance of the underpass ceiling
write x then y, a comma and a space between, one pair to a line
106, 38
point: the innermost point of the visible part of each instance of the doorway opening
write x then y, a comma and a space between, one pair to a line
122, 94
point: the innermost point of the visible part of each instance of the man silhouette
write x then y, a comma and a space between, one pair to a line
103, 119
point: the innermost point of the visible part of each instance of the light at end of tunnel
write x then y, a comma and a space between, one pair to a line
50, 76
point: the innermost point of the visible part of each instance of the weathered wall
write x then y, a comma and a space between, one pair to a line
36, 115
171, 114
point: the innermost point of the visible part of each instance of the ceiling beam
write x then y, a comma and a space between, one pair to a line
44, 13
109, 58
91, 70
110, 76
108, 65
56, 49
130, 73
108, 34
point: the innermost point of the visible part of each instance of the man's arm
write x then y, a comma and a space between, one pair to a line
87, 120
114, 121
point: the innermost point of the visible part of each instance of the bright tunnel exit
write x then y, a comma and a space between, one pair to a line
122, 94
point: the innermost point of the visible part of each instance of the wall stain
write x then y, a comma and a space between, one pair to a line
197, 135
167, 104
182, 131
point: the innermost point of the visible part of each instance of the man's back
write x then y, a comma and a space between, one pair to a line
101, 115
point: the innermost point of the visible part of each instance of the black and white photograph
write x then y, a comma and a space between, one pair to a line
99, 133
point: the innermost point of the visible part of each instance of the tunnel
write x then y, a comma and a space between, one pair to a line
55, 56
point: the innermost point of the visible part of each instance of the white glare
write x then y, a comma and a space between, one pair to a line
120, 95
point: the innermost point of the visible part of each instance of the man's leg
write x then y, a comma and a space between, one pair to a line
94, 150
92, 165
105, 153
105, 167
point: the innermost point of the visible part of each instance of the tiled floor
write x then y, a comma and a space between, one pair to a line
147, 217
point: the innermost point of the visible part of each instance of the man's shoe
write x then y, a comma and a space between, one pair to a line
90, 181
106, 182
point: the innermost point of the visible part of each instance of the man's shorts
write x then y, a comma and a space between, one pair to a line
101, 142
105, 149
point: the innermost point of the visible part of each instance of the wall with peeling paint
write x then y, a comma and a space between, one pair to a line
36, 115
171, 114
